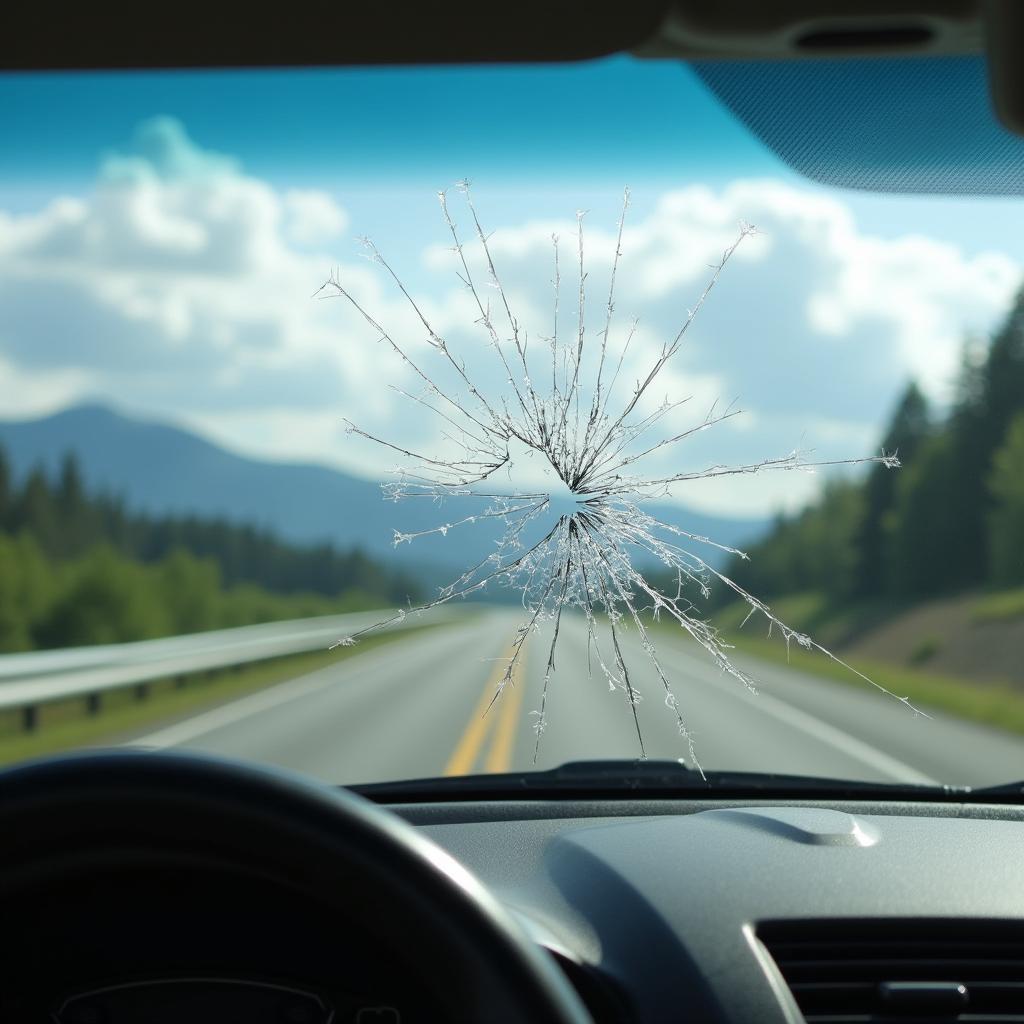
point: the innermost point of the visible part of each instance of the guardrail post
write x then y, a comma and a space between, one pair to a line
30, 717
93, 703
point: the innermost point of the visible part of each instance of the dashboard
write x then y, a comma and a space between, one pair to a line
752, 912
226, 902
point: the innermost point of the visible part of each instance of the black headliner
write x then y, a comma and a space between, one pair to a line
186, 33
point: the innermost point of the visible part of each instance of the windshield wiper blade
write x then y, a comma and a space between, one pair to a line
571, 778
1009, 792
621, 779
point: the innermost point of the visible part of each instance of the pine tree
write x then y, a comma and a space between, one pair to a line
990, 393
924, 529
907, 431
6, 496
76, 514
1004, 376
1006, 520
35, 511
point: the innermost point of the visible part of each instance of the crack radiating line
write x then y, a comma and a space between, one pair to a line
560, 407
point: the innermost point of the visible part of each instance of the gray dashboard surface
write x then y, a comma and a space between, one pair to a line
665, 906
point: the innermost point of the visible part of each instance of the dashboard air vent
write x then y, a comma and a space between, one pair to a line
897, 972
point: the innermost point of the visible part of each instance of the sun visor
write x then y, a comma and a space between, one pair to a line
923, 124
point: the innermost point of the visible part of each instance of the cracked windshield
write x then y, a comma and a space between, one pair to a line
392, 424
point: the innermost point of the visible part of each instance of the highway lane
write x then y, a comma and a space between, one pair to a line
416, 707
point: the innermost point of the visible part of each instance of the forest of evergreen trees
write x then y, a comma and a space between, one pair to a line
79, 568
951, 519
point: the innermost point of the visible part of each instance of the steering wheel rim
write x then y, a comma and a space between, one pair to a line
96, 808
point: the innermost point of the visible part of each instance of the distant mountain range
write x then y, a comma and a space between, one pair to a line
161, 469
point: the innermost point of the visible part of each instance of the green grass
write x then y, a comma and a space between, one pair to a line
989, 703
924, 650
66, 725
986, 703
802, 611
811, 613
1003, 606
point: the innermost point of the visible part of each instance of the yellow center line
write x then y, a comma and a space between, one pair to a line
480, 725
499, 758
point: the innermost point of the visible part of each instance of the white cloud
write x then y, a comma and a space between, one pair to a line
26, 394
813, 328
182, 285
179, 285
313, 217
808, 295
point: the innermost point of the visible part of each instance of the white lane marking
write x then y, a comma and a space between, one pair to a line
237, 710
855, 748
244, 707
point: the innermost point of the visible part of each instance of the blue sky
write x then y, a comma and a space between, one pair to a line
528, 135
161, 233
592, 121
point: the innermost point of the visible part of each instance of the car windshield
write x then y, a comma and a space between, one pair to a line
396, 423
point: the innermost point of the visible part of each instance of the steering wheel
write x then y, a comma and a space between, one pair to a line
93, 815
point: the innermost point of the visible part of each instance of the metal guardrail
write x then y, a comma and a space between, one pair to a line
40, 677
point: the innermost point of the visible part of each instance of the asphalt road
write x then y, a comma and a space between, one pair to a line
415, 707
